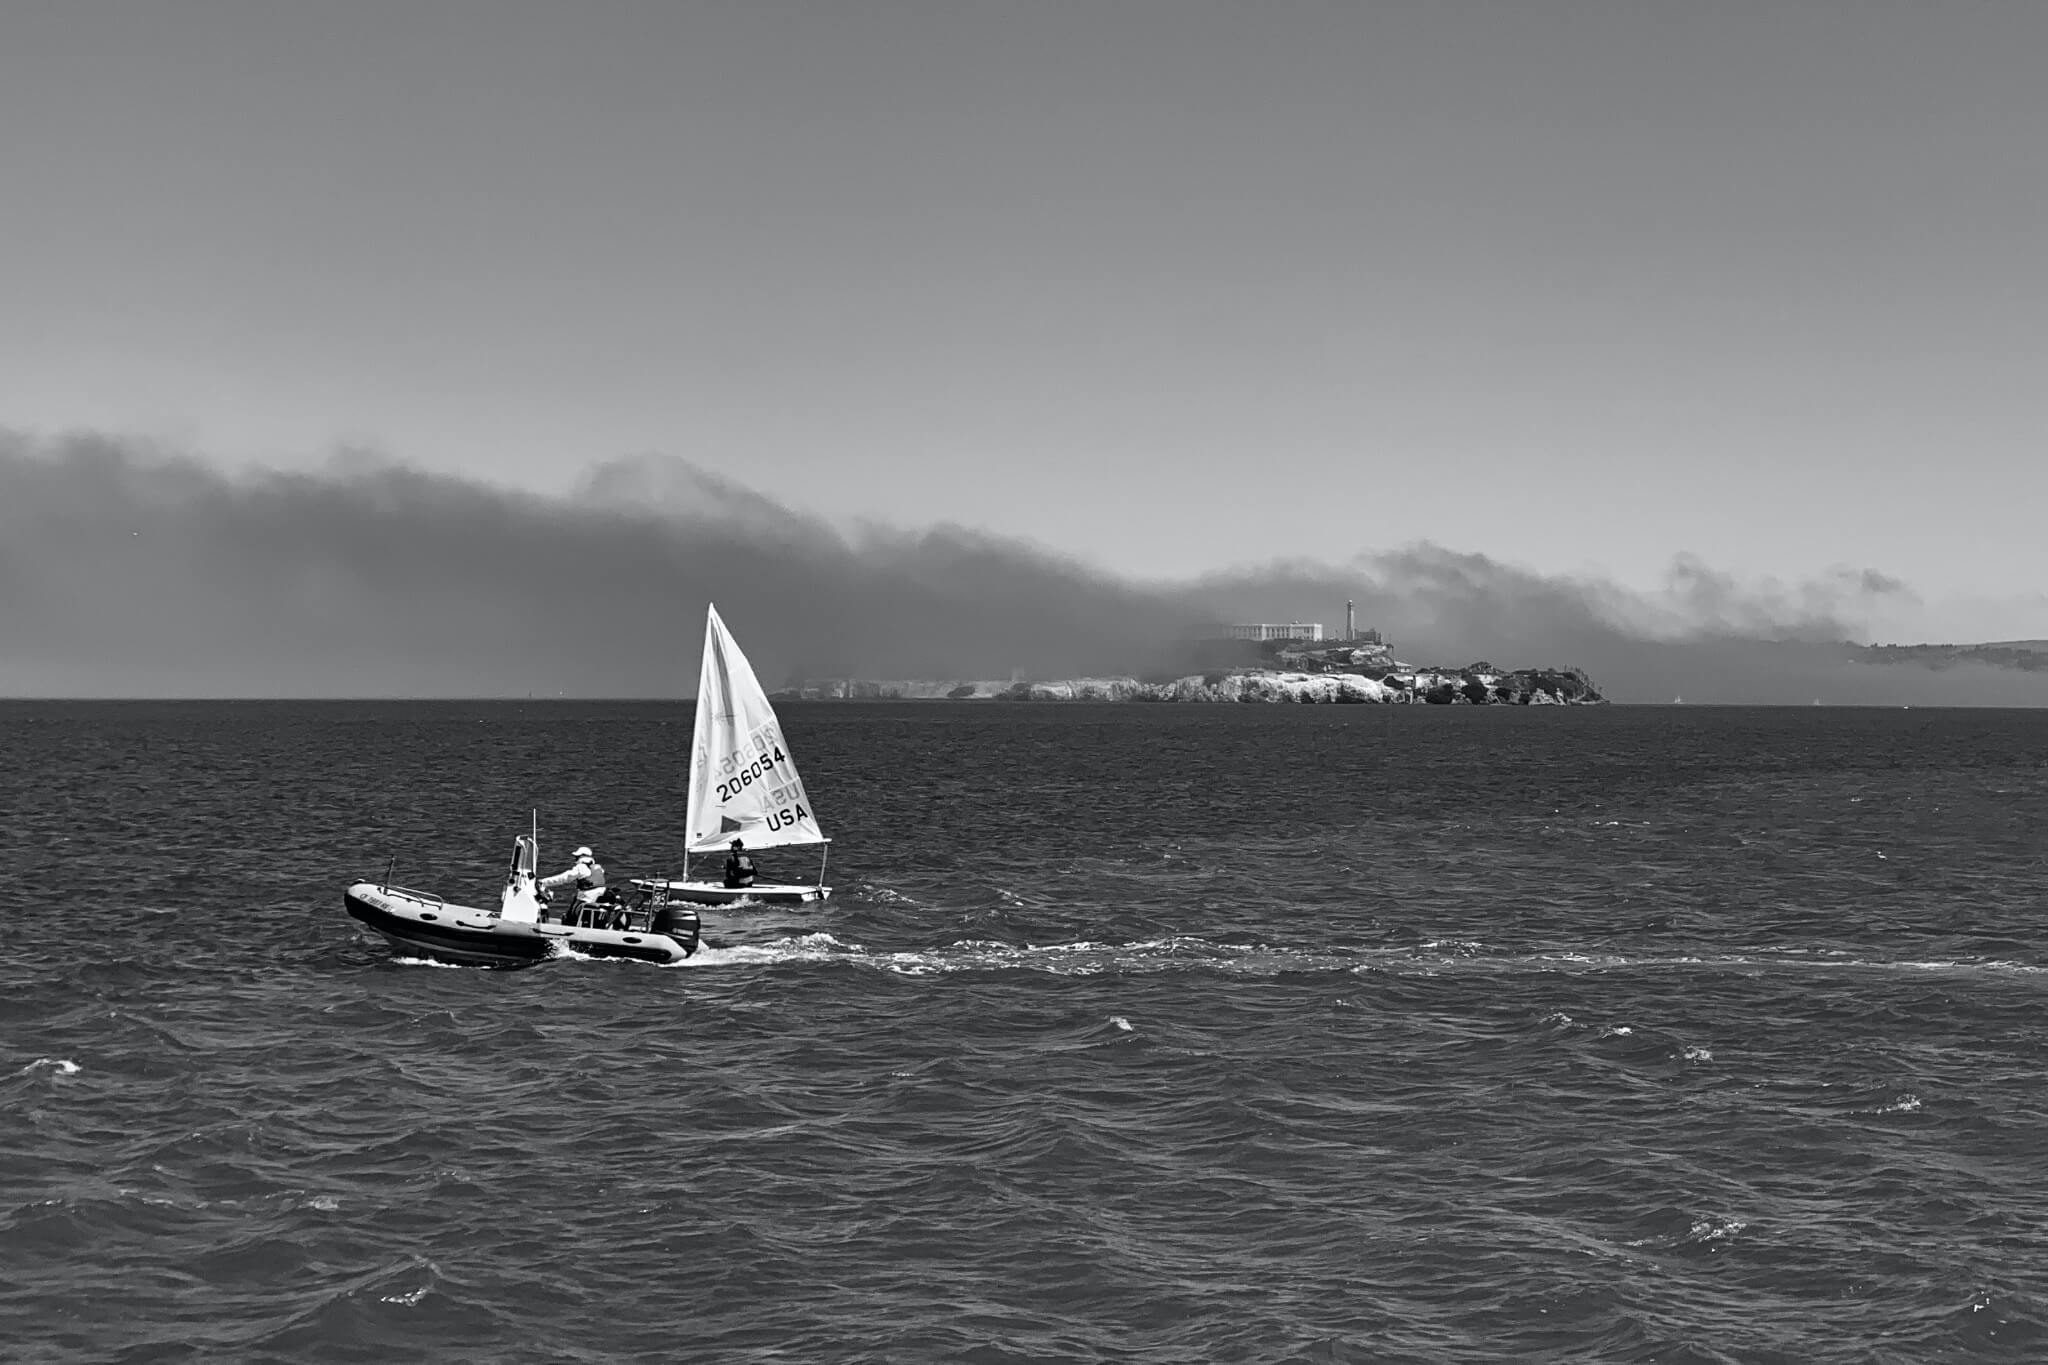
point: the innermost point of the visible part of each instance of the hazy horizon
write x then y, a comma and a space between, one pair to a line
129, 571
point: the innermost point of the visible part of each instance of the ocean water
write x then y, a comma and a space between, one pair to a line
1131, 1033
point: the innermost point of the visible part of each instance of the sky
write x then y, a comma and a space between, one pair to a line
1619, 298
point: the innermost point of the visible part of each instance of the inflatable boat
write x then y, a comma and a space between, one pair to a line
519, 932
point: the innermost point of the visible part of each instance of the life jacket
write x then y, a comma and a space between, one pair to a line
589, 880
739, 870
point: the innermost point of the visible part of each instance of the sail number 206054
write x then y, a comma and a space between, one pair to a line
749, 775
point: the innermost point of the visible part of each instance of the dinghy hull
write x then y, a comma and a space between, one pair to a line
420, 925
717, 893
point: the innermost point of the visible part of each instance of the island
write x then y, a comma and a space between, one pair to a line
1274, 671
2028, 656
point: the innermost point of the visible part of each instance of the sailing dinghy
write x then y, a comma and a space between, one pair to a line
517, 933
743, 785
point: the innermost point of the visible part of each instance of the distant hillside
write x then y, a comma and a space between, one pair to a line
2027, 655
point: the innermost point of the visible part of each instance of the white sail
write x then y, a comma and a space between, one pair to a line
743, 783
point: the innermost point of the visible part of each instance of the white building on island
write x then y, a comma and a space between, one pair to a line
1293, 630
1313, 632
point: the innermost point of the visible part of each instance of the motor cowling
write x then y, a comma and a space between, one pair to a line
680, 923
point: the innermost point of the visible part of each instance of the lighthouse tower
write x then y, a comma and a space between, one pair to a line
1351, 620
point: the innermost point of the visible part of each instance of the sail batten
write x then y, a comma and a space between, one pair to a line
743, 782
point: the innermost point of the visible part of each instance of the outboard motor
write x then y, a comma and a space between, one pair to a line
680, 923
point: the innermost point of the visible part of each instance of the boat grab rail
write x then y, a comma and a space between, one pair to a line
410, 894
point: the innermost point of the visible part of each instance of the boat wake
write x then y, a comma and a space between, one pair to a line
1194, 953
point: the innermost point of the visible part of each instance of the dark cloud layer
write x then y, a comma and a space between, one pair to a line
126, 571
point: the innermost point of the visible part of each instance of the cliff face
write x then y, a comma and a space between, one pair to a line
1479, 685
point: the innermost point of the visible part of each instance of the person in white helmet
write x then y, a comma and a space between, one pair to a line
588, 876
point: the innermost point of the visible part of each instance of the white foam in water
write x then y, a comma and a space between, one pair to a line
1715, 1229
1088, 957
818, 947
1084, 957
562, 952
56, 1064
1120, 1022
1705, 1228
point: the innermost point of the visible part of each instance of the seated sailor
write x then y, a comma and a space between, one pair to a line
739, 868
588, 876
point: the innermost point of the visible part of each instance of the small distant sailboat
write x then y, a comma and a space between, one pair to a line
743, 784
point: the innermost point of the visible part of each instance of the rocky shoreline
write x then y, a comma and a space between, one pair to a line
1478, 684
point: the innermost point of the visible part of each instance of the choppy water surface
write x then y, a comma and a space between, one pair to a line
1131, 1033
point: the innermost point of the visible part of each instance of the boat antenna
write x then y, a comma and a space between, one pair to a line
390, 863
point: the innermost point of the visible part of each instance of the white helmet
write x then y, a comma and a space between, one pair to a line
584, 852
